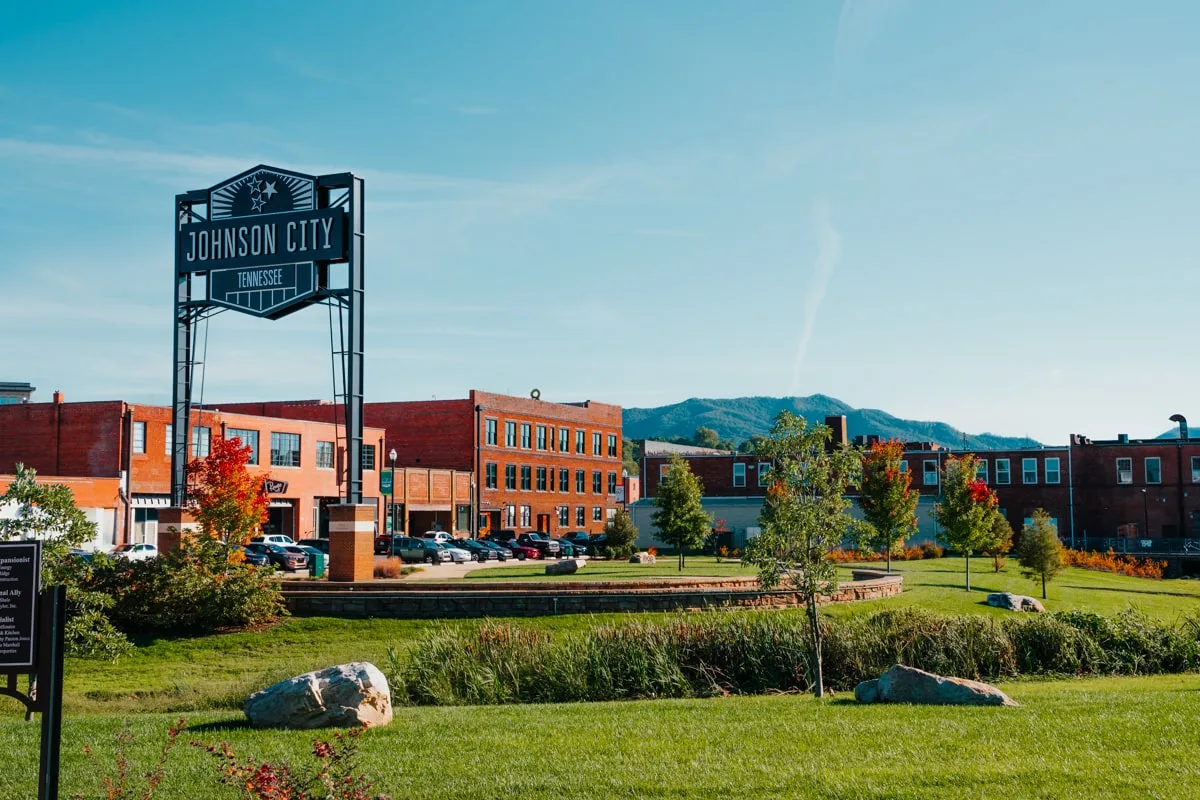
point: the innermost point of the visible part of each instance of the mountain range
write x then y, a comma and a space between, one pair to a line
737, 419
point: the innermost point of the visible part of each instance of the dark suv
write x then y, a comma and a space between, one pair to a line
410, 549
546, 547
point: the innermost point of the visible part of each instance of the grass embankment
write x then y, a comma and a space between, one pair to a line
1113, 738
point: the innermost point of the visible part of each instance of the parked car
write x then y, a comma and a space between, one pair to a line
252, 557
580, 538
545, 547
383, 544
316, 544
135, 552
502, 552
478, 550
598, 543
516, 549
569, 548
406, 548
273, 538
440, 537
504, 535
454, 554
280, 556
86, 556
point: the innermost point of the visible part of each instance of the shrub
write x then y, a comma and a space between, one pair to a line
931, 550
1120, 564
391, 568
620, 535
843, 555
88, 633
197, 588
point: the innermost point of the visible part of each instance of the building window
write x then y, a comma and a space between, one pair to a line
579, 478
526, 478
612, 483
324, 454
1124, 470
609, 513
597, 514
285, 449
564, 515
171, 436
739, 474
1053, 471
903, 465
597, 482
931, 472
525, 435
510, 477
510, 516
1154, 470
541, 437
612, 445
596, 438
248, 438
489, 426
1003, 474
764, 468
139, 437
489, 476
564, 440
981, 470
524, 516
579, 441
541, 479
1028, 470
201, 441
580, 511
663, 469
510, 434
368, 456
1195, 469
564, 480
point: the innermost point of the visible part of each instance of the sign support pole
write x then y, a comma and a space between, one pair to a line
53, 620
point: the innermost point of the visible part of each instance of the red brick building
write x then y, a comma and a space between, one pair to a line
553, 467
130, 443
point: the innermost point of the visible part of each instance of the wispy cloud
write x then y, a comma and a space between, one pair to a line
829, 250
859, 24
475, 110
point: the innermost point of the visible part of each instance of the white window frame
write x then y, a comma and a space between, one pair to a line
490, 430
1006, 472
1195, 469
1053, 476
510, 434
1146, 469
246, 440
580, 481
739, 474
564, 516
368, 464
981, 470
564, 440
612, 445
526, 516
612, 483
510, 516
1124, 476
597, 513
201, 440
139, 437
580, 442
764, 469
927, 472
541, 437
1026, 472
170, 435
526, 435
298, 450
321, 462
491, 475
597, 444
580, 515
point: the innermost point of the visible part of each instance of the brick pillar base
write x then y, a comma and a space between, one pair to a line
174, 524
351, 543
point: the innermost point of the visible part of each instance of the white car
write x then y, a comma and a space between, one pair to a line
274, 538
455, 555
136, 552
441, 537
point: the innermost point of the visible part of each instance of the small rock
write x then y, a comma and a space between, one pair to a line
568, 566
344, 696
867, 691
642, 558
902, 684
1015, 602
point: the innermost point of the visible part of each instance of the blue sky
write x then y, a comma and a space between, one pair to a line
983, 213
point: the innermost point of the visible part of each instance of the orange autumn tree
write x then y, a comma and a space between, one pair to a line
229, 503
887, 498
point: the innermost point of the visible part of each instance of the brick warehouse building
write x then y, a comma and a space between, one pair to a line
128, 443
540, 465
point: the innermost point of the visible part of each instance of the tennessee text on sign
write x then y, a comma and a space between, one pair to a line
20, 578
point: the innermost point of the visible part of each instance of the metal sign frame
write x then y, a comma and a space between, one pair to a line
208, 210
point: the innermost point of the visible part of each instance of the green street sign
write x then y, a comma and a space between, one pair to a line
385, 482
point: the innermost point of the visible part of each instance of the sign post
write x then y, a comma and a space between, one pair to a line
31, 643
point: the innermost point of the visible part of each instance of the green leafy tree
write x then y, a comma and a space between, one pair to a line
967, 510
999, 541
706, 437
887, 497
631, 455
1040, 553
681, 519
804, 517
620, 534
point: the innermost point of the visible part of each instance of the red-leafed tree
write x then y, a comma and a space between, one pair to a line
887, 497
967, 510
229, 503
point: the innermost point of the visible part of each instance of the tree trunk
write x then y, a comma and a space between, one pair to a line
889, 557
681, 558
968, 570
1043, 586
815, 626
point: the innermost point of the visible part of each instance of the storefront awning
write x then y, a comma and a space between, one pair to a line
151, 501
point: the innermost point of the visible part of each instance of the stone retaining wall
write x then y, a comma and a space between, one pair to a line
484, 599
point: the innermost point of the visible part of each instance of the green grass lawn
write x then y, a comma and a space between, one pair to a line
1115, 738
667, 567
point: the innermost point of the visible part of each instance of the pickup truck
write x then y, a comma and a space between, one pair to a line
546, 547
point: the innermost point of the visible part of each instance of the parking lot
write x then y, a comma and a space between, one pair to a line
448, 571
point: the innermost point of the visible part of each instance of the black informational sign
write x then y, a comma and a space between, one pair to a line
20, 580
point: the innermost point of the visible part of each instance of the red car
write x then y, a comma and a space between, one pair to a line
519, 551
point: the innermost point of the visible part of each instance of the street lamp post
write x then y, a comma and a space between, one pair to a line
1183, 437
392, 459
1146, 513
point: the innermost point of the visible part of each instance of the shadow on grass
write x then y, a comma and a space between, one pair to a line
1124, 590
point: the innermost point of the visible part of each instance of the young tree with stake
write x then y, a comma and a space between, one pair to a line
805, 516
1040, 553
887, 497
681, 519
967, 510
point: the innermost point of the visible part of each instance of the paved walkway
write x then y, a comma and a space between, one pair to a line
444, 572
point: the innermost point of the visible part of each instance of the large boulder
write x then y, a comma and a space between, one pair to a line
641, 558
1015, 602
902, 684
568, 566
345, 696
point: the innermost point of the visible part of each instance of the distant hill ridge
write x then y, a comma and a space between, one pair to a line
739, 418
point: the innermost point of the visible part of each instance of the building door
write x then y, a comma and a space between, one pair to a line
281, 519
543, 523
